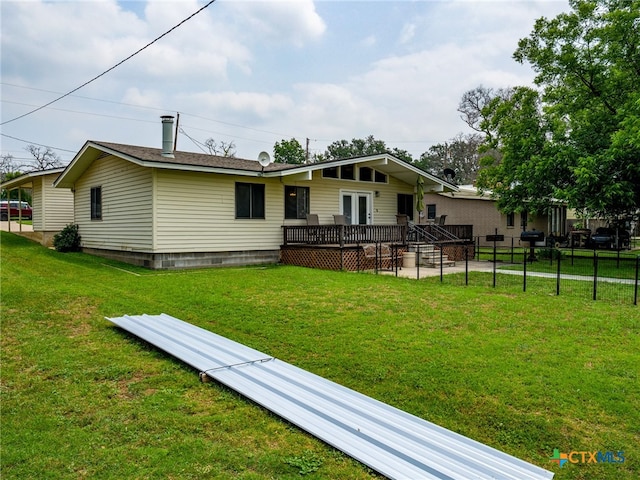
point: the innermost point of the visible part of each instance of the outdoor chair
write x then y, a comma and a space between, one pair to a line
340, 219
312, 219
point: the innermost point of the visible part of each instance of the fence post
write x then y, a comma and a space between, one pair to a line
418, 259
635, 292
441, 272
495, 247
558, 275
466, 266
512, 246
595, 275
524, 271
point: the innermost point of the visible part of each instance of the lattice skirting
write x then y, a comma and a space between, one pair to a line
329, 257
457, 252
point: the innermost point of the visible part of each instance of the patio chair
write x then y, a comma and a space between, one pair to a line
441, 219
340, 219
312, 219
402, 219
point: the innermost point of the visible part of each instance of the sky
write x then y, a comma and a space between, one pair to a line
253, 72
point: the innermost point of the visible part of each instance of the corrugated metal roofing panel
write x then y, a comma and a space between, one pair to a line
393, 442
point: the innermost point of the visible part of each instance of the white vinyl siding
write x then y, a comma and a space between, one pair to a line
324, 194
195, 212
52, 207
127, 201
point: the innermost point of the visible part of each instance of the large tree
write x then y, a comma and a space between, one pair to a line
460, 154
220, 149
577, 139
43, 157
359, 147
289, 151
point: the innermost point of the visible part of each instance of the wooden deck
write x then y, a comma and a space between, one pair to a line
348, 247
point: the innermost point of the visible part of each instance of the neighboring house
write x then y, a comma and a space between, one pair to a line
52, 207
165, 209
468, 206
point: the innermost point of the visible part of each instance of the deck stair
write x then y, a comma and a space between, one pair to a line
430, 256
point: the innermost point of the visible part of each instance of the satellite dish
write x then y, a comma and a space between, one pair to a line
449, 173
264, 159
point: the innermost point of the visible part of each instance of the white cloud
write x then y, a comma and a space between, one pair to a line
327, 71
295, 22
407, 33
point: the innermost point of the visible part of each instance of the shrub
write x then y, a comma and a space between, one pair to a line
68, 240
550, 253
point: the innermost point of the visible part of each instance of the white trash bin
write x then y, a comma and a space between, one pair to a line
409, 259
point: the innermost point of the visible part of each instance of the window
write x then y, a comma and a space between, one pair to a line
524, 220
380, 177
431, 211
96, 203
405, 205
296, 202
348, 172
330, 172
511, 220
249, 200
366, 174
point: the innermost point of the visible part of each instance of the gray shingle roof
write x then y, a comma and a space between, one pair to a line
147, 154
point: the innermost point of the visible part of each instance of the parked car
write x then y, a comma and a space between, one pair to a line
16, 208
608, 237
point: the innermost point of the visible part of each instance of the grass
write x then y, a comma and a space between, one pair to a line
80, 398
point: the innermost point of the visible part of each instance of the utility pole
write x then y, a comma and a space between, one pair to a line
306, 155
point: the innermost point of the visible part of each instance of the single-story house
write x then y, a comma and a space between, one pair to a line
468, 205
52, 207
164, 209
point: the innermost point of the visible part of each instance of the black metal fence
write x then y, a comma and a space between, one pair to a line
592, 274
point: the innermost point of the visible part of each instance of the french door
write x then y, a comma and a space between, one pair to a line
356, 207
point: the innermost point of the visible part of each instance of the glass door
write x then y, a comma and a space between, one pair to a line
356, 207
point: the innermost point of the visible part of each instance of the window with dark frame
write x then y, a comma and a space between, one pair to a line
348, 172
296, 202
431, 211
250, 200
366, 174
511, 219
330, 172
96, 203
380, 177
405, 205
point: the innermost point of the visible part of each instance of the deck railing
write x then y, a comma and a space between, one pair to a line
343, 234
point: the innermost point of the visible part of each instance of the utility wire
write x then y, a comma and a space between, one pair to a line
112, 68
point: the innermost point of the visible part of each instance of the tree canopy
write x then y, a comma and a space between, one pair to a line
578, 138
460, 154
289, 151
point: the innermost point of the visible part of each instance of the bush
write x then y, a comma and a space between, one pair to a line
68, 240
550, 253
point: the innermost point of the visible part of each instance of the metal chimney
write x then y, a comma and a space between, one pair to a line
167, 136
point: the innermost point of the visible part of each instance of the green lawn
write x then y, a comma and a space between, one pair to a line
524, 373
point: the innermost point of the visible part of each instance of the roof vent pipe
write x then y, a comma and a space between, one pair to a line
167, 136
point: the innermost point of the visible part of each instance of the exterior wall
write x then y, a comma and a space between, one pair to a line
195, 212
57, 204
483, 215
126, 206
170, 261
324, 195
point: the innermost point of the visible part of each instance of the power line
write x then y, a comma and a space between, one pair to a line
112, 68
38, 144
